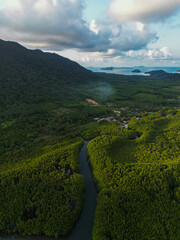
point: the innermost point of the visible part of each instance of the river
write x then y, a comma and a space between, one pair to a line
83, 229
84, 226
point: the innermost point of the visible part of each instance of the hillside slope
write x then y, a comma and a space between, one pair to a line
41, 190
138, 179
30, 75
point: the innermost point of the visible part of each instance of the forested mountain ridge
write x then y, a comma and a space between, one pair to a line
30, 75
13, 52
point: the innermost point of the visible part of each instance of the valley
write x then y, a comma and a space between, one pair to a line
48, 106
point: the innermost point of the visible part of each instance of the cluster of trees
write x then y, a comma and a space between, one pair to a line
138, 179
147, 93
32, 126
43, 195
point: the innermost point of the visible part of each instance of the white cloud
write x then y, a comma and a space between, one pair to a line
133, 38
50, 22
58, 24
44, 7
140, 26
94, 27
147, 57
114, 39
163, 53
142, 10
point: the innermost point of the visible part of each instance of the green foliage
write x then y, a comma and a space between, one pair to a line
139, 203
145, 93
114, 130
42, 195
138, 179
43, 110
89, 131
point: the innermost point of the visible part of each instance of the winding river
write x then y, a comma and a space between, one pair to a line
84, 226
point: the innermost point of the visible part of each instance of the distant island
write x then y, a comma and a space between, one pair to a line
157, 73
139, 66
123, 68
113, 68
177, 70
136, 71
107, 68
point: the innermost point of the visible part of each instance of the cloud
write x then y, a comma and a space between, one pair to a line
147, 57
163, 53
142, 10
132, 37
52, 23
122, 37
58, 24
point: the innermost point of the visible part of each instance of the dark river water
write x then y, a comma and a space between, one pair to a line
83, 228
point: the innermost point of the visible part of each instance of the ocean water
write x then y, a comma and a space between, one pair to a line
128, 70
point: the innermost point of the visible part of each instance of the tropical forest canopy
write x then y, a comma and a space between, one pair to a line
44, 115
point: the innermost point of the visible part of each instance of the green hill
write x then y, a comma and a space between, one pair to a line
138, 179
35, 76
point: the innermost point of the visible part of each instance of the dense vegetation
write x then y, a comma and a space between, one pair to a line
43, 112
142, 92
43, 194
138, 180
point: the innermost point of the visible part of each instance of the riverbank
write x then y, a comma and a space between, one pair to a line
84, 226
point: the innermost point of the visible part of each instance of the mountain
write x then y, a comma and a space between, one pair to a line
136, 71
157, 73
30, 75
14, 53
107, 68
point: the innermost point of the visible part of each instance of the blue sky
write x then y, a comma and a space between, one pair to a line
97, 32
95, 8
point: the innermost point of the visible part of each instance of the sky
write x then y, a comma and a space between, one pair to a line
98, 33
